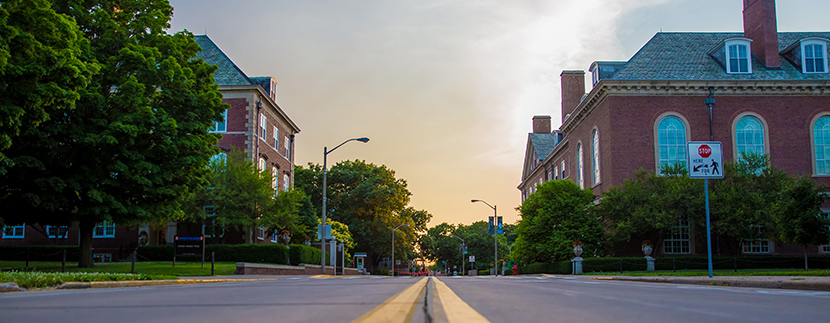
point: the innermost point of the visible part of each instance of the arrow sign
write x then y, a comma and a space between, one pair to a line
705, 159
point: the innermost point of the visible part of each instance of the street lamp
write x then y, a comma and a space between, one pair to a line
323, 226
393, 246
495, 236
463, 247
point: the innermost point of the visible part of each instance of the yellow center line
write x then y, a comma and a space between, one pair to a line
455, 309
398, 308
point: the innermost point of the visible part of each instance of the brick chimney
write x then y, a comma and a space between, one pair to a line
760, 25
541, 124
573, 88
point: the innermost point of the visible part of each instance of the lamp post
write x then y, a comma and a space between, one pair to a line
495, 236
463, 247
393, 246
323, 226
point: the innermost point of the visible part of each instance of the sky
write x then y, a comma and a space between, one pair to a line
445, 89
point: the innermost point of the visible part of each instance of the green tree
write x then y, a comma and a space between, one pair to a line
136, 143
798, 216
553, 218
41, 71
439, 245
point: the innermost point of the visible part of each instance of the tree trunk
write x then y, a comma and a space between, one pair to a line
805, 257
85, 247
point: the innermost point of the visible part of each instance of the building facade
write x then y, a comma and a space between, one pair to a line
770, 94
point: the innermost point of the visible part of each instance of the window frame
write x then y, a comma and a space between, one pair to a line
286, 182
224, 124
105, 226
14, 229
263, 126
595, 163
679, 239
287, 148
813, 42
682, 146
62, 235
738, 43
562, 165
814, 158
276, 135
764, 128
580, 177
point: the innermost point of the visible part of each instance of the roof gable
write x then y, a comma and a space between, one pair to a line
228, 73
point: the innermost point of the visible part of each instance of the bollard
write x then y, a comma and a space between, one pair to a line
63, 263
621, 269
212, 260
674, 265
28, 251
135, 253
735, 263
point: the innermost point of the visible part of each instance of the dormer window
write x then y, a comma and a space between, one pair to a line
814, 58
738, 57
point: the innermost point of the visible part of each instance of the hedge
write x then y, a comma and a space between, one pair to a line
39, 253
302, 254
259, 253
613, 264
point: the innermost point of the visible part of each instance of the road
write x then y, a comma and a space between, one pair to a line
337, 299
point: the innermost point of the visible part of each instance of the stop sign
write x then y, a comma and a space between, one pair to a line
704, 151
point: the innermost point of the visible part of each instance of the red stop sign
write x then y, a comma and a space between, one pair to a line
704, 151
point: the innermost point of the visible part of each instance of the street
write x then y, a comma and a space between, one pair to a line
346, 299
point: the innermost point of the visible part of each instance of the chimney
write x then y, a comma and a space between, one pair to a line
573, 88
541, 124
760, 26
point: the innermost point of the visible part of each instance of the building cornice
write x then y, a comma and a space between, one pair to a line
692, 88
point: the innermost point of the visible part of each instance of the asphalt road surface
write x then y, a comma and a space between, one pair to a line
386, 299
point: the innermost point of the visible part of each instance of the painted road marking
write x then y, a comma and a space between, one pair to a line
455, 309
398, 308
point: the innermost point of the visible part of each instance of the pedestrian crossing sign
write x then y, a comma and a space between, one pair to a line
705, 159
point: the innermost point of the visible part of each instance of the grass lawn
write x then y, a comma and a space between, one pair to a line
722, 272
147, 268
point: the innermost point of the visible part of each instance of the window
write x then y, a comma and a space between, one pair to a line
579, 177
260, 233
14, 231
285, 182
262, 164
737, 57
749, 137
102, 257
219, 158
287, 148
56, 232
104, 230
671, 142
263, 126
594, 157
275, 237
821, 145
556, 173
756, 245
276, 134
274, 181
678, 240
814, 58
221, 126
562, 167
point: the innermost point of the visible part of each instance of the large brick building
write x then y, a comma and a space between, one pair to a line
771, 91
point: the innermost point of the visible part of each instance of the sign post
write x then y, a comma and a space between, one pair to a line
705, 160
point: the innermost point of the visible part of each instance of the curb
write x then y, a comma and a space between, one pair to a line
10, 287
773, 284
140, 283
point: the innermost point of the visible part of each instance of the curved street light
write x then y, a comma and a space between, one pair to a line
495, 236
463, 247
323, 226
393, 246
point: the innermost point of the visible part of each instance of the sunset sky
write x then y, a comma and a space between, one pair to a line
445, 89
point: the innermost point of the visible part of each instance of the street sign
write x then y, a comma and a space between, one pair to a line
320, 231
705, 159
472, 258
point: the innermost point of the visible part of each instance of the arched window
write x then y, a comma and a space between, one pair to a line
821, 145
580, 179
749, 137
219, 158
671, 142
595, 157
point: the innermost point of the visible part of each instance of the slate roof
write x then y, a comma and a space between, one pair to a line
543, 143
228, 73
685, 56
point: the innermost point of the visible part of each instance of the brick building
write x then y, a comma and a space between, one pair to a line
771, 92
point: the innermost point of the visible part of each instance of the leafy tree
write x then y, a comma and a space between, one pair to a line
553, 218
480, 244
41, 70
798, 215
439, 245
136, 143
649, 206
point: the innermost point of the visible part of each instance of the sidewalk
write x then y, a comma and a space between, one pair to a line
781, 282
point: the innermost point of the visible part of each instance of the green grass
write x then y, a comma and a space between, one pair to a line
35, 279
147, 268
729, 272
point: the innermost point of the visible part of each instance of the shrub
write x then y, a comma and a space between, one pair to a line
38, 253
302, 254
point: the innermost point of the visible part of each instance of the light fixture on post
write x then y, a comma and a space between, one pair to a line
495, 236
322, 229
393, 246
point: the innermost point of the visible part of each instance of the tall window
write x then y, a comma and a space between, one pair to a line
274, 181
262, 164
671, 142
594, 158
286, 183
56, 232
749, 137
221, 126
756, 245
737, 57
14, 231
562, 168
814, 59
678, 240
263, 126
260, 233
287, 148
104, 230
276, 134
821, 145
580, 180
